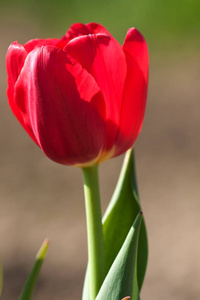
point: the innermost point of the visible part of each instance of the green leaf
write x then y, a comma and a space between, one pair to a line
33, 276
119, 281
118, 219
120, 215
1, 278
85, 294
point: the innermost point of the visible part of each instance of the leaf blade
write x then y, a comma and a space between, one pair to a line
1, 278
125, 206
120, 214
33, 276
120, 278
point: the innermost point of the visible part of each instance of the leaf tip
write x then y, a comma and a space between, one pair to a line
43, 250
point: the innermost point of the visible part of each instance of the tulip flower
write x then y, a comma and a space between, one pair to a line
81, 98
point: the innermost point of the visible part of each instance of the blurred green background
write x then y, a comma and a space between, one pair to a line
167, 25
39, 198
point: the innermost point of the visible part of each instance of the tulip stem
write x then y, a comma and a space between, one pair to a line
94, 230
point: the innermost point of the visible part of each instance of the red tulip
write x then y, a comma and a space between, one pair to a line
81, 98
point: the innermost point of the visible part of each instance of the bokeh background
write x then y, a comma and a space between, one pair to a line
39, 198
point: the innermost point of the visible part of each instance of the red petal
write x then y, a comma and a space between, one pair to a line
79, 29
135, 91
15, 59
87, 86
104, 59
67, 128
95, 28
14, 62
35, 43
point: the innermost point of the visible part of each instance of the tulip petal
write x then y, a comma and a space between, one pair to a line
104, 59
68, 128
15, 58
79, 29
14, 62
35, 43
97, 28
87, 86
135, 90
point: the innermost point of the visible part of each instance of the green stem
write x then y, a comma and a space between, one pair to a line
94, 230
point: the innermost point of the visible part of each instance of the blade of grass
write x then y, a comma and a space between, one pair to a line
33, 276
1, 278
